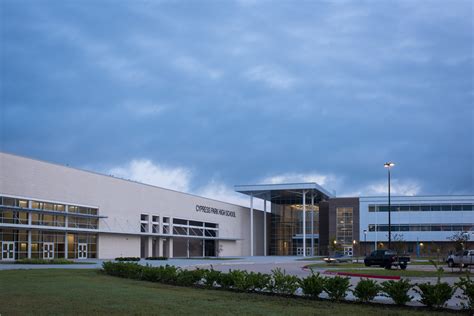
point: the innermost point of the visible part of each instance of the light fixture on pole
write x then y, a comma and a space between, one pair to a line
389, 165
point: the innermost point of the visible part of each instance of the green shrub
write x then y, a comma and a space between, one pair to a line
168, 274
128, 270
256, 281
156, 258
397, 291
366, 290
211, 277
467, 287
227, 280
283, 283
152, 274
313, 285
337, 287
189, 277
435, 295
127, 259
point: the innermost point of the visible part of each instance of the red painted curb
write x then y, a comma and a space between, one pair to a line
361, 275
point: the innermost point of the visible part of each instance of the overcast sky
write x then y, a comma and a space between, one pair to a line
201, 95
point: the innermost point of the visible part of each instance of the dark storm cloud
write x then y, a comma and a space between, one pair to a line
243, 91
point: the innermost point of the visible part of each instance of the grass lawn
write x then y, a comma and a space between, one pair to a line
88, 292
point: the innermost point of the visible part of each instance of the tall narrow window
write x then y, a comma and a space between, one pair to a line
344, 225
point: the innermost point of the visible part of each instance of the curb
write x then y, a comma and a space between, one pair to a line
361, 275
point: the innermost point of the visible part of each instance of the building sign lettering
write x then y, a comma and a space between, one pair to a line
212, 210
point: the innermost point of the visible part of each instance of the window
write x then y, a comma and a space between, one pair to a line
23, 204
404, 228
424, 208
467, 207
210, 233
166, 219
344, 225
144, 228
9, 201
178, 230
155, 219
144, 217
82, 210
418, 228
446, 207
155, 229
194, 223
180, 221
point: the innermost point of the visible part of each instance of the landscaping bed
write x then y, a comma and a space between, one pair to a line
279, 283
89, 292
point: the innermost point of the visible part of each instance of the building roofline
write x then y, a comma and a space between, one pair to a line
249, 188
415, 196
118, 178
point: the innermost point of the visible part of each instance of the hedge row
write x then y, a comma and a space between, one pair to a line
278, 282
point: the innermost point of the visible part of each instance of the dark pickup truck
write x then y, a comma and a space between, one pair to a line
386, 259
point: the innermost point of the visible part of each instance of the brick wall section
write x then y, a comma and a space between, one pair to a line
323, 227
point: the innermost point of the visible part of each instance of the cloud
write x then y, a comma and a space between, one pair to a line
179, 179
192, 66
222, 192
143, 109
328, 180
403, 188
145, 171
271, 76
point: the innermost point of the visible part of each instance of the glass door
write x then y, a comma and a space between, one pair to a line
82, 251
8, 250
348, 251
48, 250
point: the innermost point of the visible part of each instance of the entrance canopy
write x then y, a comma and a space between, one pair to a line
287, 193
294, 195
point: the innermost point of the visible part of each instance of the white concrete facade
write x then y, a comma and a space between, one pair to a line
121, 202
439, 218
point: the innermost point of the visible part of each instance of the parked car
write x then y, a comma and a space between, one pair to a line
387, 259
338, 258
465, 257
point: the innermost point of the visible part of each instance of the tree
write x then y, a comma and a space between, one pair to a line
460, 240
398, 243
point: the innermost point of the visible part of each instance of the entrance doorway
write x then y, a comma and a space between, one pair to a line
8, 250
299, 251
348, 251
48, 250
82, 251
209, 248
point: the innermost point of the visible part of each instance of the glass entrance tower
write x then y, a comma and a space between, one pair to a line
294, 216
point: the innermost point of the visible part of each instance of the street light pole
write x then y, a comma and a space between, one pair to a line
389, 165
